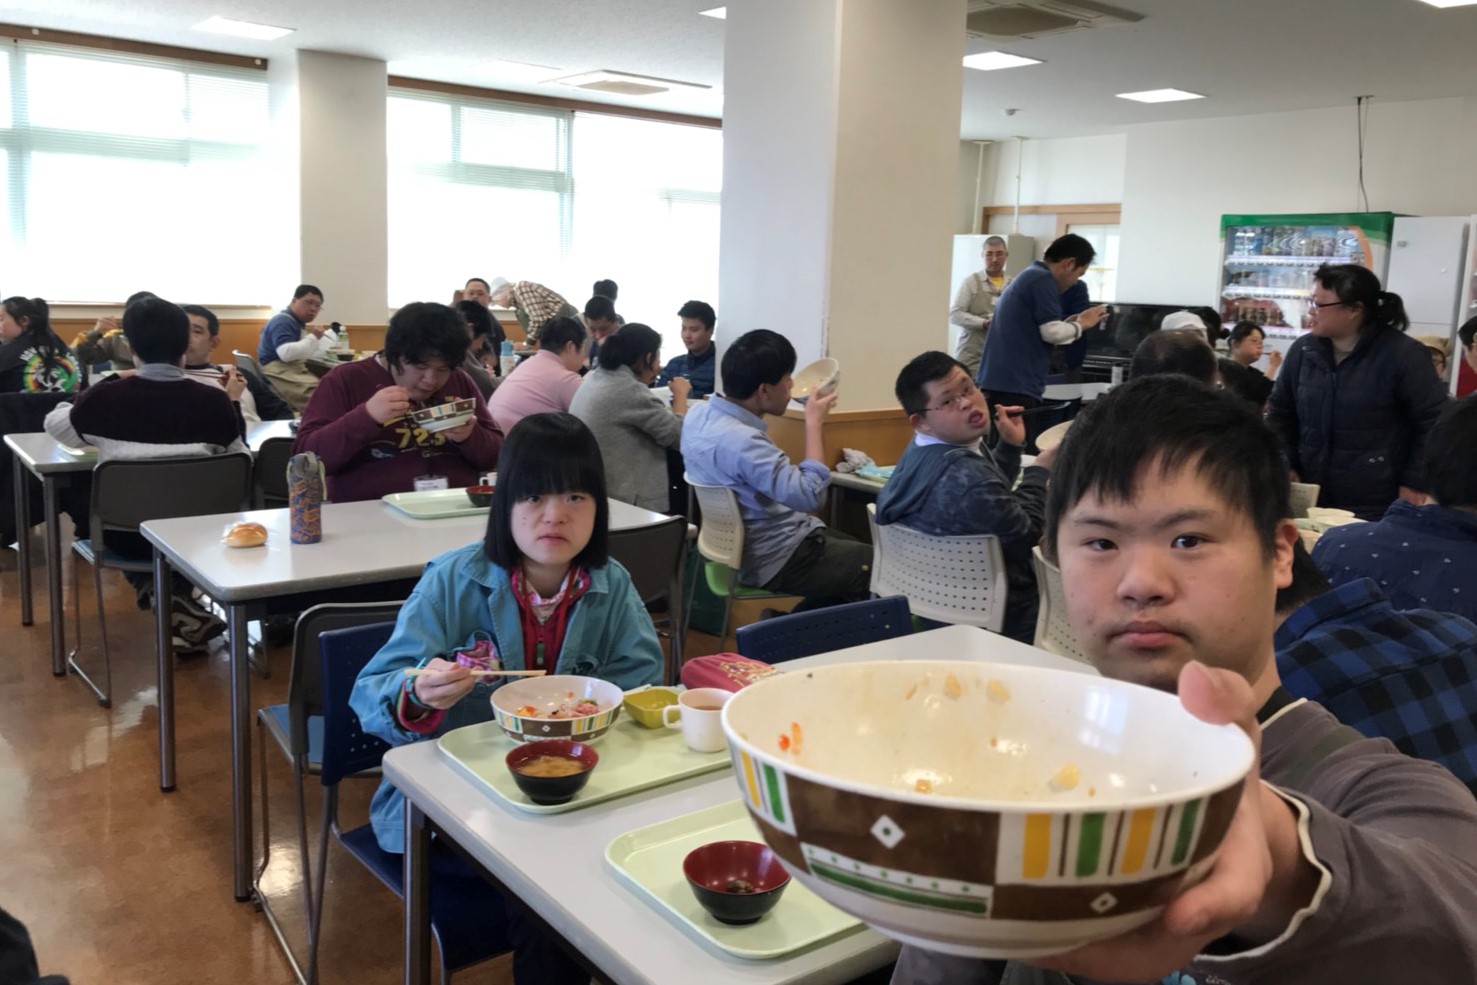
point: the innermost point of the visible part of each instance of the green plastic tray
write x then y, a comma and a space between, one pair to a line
434, 504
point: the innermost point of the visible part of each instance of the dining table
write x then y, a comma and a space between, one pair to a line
369, 551
556, 863
54, 464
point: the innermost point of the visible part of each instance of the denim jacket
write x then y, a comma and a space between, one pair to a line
463, 598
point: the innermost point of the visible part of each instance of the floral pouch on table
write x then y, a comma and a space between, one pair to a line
726, 670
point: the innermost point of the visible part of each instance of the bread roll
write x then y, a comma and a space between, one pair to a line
246, 535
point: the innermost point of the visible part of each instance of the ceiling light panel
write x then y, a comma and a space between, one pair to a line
243, 29
990, 61
1160, 96
1450, 3
720, 13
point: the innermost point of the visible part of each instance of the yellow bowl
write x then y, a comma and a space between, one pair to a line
645, 706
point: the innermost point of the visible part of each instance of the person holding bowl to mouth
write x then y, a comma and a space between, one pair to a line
949, 484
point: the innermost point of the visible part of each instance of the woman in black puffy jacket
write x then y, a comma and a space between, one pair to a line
1356, 396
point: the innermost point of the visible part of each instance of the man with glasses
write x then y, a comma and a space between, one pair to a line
949, 484
974, 303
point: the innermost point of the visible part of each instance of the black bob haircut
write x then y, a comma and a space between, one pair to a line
556, 333
930, 367
1451, 455
1172, 422
756, 358
547, 453
157, 330
423, 330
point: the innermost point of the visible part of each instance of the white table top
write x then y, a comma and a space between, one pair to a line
557, 862
363, 543
42, 454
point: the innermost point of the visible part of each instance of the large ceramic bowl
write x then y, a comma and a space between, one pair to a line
820, 377
981, 809
525, 708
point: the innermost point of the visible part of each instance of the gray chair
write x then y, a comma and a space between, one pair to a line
271, 473
297, 729
656, 557
125, 494
947, 579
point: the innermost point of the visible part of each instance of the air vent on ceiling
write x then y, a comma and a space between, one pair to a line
624, 83
1011, 20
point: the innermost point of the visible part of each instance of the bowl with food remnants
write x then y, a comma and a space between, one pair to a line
552, 771
981, 809
737, 882
443, 417
817, 379
557, 706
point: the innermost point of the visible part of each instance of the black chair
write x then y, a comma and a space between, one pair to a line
803, 634
125, 494
271, 473
297, 728
462, 910
656, 556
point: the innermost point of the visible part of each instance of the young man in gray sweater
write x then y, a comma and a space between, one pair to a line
1347, 861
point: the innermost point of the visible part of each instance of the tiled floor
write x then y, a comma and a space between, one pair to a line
121, 884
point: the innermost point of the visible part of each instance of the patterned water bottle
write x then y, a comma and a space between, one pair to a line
305, 497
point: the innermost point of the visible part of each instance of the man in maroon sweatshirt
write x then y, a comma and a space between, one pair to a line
358, 419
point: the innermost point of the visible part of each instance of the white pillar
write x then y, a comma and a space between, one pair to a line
841, 146
329, 117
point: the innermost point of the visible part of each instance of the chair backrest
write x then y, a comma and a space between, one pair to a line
721, 536
1304, 495
343, 653
271, 472
305, 682
1053, 632
126, 493
803, 634
653, 555
948, 579
246, 361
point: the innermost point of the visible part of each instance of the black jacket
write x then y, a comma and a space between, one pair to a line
1358, 428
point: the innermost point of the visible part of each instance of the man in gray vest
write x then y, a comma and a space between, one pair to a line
975, 303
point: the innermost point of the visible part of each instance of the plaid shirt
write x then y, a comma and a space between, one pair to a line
537, 304
1409, 676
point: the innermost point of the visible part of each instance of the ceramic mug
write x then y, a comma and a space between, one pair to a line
700, 710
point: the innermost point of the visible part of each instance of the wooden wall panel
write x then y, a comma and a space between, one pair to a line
883, 434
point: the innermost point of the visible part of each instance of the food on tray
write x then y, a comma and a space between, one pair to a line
551, 766
571, 707
246, 535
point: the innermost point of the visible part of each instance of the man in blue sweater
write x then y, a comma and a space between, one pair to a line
1029, 321
948, 484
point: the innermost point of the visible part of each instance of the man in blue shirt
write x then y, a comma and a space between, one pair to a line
947, 484
1408, 676
1422, 557
725, 442
1028, 322
282, 350
698, 362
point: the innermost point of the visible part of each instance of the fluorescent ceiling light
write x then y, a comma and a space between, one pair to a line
989, 61
243, 29
1162, 95
522, 71
1450, 3
719, 13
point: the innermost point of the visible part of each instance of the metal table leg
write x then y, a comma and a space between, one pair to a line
240, 747
164, 651
23, 533
54, 577
417, 884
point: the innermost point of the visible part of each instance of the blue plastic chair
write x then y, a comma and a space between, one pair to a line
467, 914
802, 634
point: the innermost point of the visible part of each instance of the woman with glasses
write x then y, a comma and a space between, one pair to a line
1356, 396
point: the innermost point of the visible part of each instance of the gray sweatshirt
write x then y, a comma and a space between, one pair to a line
633, 428
1396, 841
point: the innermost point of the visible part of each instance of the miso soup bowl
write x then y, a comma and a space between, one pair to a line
982, 809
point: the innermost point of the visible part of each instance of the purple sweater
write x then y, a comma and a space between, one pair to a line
364, 459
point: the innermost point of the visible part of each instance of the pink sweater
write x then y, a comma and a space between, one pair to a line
365, 460
539, 385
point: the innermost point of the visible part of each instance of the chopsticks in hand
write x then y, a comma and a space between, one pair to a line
1038, 410
420, 671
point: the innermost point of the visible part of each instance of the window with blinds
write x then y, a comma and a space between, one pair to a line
476, 188
127, 173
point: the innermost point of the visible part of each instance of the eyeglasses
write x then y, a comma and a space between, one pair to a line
960, 400
1315, 305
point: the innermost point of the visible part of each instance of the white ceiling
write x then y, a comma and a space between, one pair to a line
1248, 56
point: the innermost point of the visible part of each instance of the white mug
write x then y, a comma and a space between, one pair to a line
701, 710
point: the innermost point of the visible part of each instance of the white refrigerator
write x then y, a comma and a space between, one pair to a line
1431, 268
